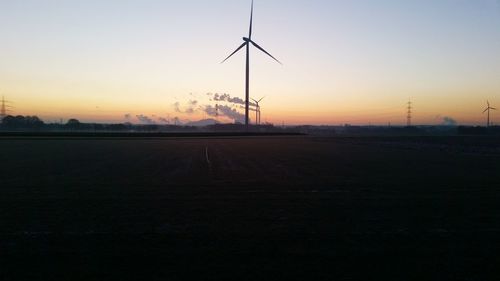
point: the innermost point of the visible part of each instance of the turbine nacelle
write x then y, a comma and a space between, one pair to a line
246, 39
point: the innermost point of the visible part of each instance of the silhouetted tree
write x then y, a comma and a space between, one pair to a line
73, 124
9, 122
117, 127
21, 122
98, 127
33, 122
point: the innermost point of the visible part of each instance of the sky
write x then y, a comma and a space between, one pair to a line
344, 62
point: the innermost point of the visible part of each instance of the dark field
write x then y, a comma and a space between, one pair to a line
252, 208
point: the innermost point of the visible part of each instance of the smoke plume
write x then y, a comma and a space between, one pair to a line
226, 111
211, 110
145, 120
163, 120
191, 108
177, 121
448, 121
228, 98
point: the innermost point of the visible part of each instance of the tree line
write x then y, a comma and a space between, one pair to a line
20, 122
34, 123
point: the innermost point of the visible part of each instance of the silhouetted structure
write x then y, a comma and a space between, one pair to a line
257, 111
409, 114
246, 43
488, 109
4, 108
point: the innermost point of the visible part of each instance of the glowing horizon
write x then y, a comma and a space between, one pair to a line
344, 63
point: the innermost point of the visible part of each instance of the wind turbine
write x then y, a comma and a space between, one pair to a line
246, 43
257, 110
489, 108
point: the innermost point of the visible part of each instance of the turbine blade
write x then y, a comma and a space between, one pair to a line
239, 48
260, 48
493, 108
251, 23
262, 99
251, 109
486, 110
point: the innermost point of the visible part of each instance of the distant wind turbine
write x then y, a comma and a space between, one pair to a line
257, 111
488, 109
246, 43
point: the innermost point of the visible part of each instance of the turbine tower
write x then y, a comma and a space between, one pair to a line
246, 43
488, 109
257, 111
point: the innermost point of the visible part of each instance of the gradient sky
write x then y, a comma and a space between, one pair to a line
354, 62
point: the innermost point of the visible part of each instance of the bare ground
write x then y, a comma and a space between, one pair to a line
250, 208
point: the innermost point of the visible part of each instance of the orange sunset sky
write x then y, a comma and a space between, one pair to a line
355, 62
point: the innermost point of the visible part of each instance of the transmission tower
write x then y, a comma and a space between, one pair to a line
4, 108
410, 112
